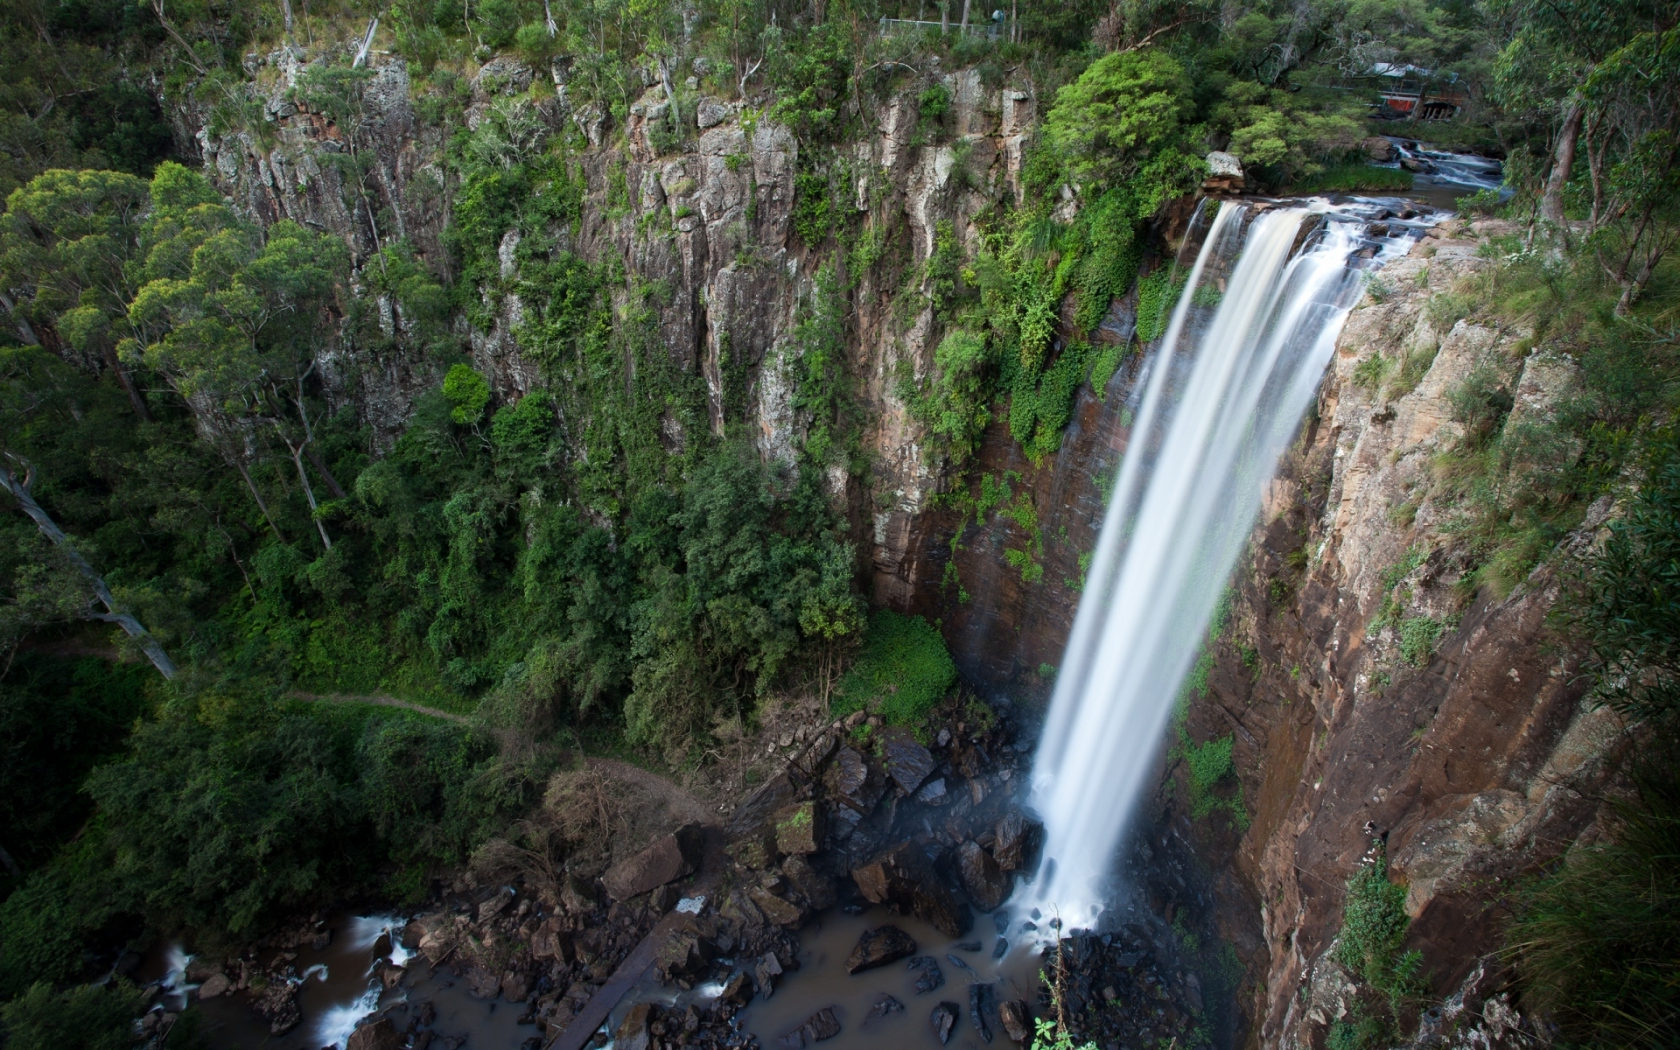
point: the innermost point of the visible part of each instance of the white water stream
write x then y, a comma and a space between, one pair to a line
1242, 357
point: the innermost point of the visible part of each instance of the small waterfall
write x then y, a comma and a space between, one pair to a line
1247, 343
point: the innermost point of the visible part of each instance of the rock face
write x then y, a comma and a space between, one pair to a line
668, 858
878, 947
380, 1035
900, 879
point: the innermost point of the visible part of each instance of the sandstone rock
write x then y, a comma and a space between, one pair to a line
981, 1005
577, 895
754, 811
668, 858
633, 1032
799, 828
819, 1026
376, 1035
900, 879
216, 984
278, 1006
495, 905
390, 976
884, 1006
1224, 165
908, 762
931, 976
711, 113
482, 984
765, 972
817, 888
850, 780
944, 1019
1017, 842
878, 947
754, 850
516, 986
688, 948
1379, 149
776, 911
982, 878
736, 990
551, 942
1017, 1020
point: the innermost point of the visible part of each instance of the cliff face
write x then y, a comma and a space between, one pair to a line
1472, 753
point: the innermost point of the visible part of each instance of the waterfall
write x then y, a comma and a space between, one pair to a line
1248, 340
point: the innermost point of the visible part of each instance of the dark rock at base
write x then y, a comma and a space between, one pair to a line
633, 1033
765, 973
516, 987
878, 947
1017, 841
1017, 1020
934, 793
944, 1019
1001, 949
533, 1043
981, 1006
551, 942
852, 781
754, 811
817, 888
482, 984
885, 1005
901, 879
819, 1026
279, 1007
379, 1035
688, 948
932, 977
668, 858
577, 895
982, 878
967, 946
216, 984
736, 990
907, 762
799, 828
776, 910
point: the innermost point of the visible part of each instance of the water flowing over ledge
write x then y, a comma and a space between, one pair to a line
1248, 341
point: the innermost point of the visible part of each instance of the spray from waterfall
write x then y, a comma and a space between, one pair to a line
1248, 340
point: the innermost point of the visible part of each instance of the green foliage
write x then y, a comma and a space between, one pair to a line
1358, 178
1123, 118
902, 671
954, 401
47, 924
1418, 635
1594, 938
1374, 924
89, 1017
468, 392
1208, 764
1157, 296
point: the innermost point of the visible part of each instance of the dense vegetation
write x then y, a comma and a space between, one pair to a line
593, 559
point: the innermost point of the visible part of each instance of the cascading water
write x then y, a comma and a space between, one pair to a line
1248, 340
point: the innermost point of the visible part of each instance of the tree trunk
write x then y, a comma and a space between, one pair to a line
19, 490
261, 505
944, 17
963, 29
135, 401
1551, 201
26, 332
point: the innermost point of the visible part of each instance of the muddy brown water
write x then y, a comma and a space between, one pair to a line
822, 981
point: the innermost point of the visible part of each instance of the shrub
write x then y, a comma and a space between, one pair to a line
902, 672
1374, 924
468, 392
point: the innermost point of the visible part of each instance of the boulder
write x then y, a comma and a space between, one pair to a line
495, 905
214, 985
944, 1019
799, 828
436, 944
482, 984
633, 1033
754, 811
907, 762
688, 948
853, 782
981, 1005
1225, 173
1380, 150
754, 850
982, 878
376, 1035
885, 1005
819, 1026
934, 793
900, 879
577, 895
1017, 1020
551, 942
931, 976
878, 947
710, 113
765, 972
776, 911
390, 975
817, 888
666, 859
736, 991
1017, 842
516, 986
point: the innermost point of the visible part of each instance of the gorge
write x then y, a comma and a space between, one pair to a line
762, 525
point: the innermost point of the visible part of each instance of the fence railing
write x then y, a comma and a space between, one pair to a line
992, 29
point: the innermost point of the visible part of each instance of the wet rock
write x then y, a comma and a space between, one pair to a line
1016, 1019
934, 793
577, 895
755, 850
688, 948
214, 985
776, 911
633, 1032
900, 878
1001, 948
907, 762
817, 888
516, 986
878, 947
551, 942
736, 991
765, 972
981, 1006
982, 877
885, 1005
931, 975
944, 1019
819, 1026
799, 828
668, 858
482, 984
390, 976
851, 781
278, 1006
1017, 841
754, 811
495, 905
1193, 992
1379, 150
378, 1035
959, 964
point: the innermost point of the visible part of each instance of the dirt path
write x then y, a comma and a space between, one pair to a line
379, 700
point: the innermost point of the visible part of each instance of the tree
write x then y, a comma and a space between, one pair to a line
1122, 118
90, 1017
